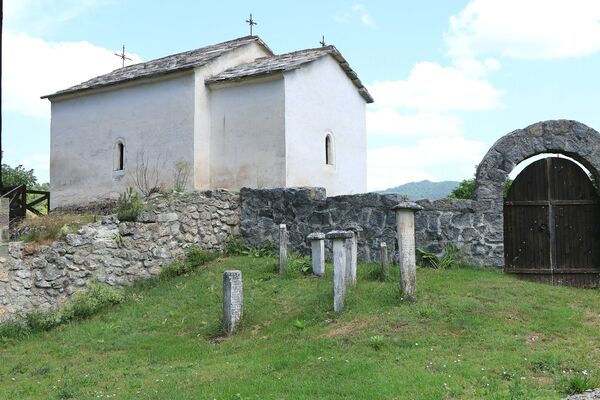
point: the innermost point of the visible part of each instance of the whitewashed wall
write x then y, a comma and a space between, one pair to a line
202, 127
247, 146
156, 117
319, 98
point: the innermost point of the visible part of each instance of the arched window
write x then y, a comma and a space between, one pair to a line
329, 150
119, 156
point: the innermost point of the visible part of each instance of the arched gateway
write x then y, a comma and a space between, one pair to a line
552, 210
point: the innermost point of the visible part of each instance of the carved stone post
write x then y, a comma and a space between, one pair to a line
405, 217
385, 266
352, 248
317, 244
283, 244
339, 267
233, 301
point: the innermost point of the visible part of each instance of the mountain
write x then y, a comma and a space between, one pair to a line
424, 189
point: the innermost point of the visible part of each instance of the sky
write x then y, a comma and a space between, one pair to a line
449, 77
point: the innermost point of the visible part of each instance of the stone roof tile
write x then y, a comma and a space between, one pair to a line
287, 62
173, 63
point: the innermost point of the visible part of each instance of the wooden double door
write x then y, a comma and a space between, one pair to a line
552, 225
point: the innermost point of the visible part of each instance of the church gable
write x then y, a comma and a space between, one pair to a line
266, 66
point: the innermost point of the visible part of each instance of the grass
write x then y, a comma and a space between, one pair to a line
472, 334
48, 228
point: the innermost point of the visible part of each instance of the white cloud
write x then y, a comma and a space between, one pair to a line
34, 67
531, 29
431, 86
358, 11
454, 158
389, 121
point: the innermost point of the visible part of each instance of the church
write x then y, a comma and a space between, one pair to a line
228, 116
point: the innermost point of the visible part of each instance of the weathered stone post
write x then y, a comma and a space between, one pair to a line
317, 244
233, 301
339, 267
4, 228
385, 266
352, 248
283, 244
405, 218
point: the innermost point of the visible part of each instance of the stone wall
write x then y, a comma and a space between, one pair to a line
118, 253
477, 232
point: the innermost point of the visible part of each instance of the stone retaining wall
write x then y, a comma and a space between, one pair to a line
474, 229
118, 253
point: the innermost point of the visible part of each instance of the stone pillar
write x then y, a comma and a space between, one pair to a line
339, 239
317, 244
283, 244
352, 247
233, 301
405, 218
385, 266
4, 225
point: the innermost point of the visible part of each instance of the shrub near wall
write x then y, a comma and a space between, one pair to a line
118, 253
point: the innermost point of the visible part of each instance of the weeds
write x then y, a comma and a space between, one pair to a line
575, 384
129, 205
82, 305
194, 259
447, 261
51, 227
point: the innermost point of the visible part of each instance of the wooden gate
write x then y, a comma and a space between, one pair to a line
552, 225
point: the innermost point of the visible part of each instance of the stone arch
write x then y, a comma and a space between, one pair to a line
567, 137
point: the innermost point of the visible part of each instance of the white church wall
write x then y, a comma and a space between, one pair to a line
320, 99
155, 118
202, 125
248, 141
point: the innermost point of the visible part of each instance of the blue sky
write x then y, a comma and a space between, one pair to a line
448, 77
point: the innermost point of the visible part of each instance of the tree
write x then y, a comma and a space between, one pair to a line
18, 176
464, 190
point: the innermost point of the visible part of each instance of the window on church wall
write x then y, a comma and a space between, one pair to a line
329, 150
119, 156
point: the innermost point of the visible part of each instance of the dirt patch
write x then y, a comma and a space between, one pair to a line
351, 328
533, 338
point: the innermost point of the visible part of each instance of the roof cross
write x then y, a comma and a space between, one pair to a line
251, 22
322, 42
122, 56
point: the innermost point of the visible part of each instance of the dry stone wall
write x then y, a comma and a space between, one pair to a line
118, 253
477, 231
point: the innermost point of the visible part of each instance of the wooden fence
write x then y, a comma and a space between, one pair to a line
23, 200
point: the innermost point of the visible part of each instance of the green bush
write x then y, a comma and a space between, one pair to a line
236, 247
194, 259
448, 260
299, 264
129, 205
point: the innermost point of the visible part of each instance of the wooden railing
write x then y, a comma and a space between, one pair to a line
19, 205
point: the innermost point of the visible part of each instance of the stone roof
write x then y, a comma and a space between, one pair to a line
286, 62
169, 64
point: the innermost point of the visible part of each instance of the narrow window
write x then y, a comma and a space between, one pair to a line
328, 150
119, 156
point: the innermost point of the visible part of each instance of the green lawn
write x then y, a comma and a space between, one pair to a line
472, 334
